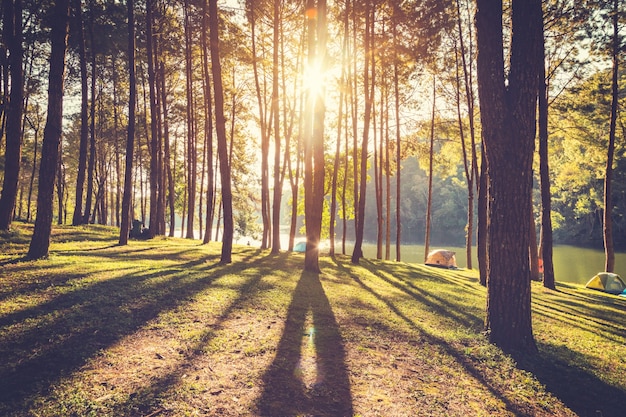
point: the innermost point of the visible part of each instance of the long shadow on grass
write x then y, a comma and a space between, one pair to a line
148, 398
435, 340
51, 340
438, 304
578, 389
285, 393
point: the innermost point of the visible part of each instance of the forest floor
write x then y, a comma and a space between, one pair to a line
161, 328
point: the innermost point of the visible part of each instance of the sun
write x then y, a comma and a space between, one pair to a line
314, 79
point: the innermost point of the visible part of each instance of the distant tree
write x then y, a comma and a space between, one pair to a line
130, 140
40, 241
84, 116
361, 183
277, 33
208, 123
545, 239
222, 143
155, 171
508, 114
91, 161
430, 171
12, 36
609, 249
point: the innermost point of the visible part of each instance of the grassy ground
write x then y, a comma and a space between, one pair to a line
160, 328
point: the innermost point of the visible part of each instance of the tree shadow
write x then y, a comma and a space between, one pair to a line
580, 390
285, 392
43, 343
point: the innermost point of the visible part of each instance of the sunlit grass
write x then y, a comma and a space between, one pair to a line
160, 326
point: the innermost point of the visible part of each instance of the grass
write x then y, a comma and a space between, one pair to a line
160, 327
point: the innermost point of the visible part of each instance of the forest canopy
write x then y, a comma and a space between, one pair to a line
399, 77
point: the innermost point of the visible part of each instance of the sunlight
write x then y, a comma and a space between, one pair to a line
314, 79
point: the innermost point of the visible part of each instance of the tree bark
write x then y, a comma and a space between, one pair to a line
357, 252
545, 237
222, 145
191, 133
430, 173
153, 229
277, 141
609, 251
12, 22
508, 114
208, 124
40, 241
91, 163
314, 136
130, 140
84, 118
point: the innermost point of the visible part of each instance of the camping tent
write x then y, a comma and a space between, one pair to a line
607, 282
441, 258
300, 247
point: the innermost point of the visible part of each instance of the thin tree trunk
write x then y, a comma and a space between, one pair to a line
398, 144
277, 149
545, 238
430, 173
130, 140
191, 134
92, 126
609, 251
153, 229
34, 170
208, 123
12, 22
333, 194
84, 118
222, 146
357, 253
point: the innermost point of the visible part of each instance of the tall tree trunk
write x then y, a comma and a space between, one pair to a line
357, 253
36, 127
470, 167
545, 237
396, 91
12, 24
91, 163
167, 157
222, 145
153, 229
84, 117
263, 128
208, 123
430, 173
40, 241
60, 180
314, 149
277, 149
508, 114
333, 194
130, 140
609, 264
481, 239
533, 252
191, 133
118, 167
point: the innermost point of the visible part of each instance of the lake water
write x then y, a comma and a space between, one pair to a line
571, 264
